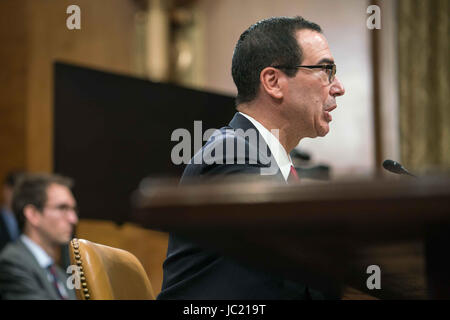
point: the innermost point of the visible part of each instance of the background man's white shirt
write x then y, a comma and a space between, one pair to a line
41, 256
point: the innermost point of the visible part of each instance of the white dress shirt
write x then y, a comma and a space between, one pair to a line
41, 256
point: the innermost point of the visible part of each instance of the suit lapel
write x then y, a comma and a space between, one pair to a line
241, 122
37, 270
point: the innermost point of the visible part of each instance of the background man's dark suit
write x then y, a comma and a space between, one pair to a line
191, 272
4, 233
22, 278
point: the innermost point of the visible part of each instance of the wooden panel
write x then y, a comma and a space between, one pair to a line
148, 246
105, 41
33, 34
13, 54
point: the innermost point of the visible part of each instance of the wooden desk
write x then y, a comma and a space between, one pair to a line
328, 233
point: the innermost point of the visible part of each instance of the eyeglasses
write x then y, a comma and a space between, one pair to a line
64, 208
330, 69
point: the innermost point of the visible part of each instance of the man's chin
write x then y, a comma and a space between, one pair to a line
323, 131
65, 240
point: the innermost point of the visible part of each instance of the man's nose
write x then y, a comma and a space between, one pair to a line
337, 88
73, 217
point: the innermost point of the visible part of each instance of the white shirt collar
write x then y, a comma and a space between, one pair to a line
41, 256
282, 158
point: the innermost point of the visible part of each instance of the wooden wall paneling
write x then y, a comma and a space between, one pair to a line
14, 70
105, 41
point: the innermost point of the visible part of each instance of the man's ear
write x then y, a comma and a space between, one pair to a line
272, 81
32, 214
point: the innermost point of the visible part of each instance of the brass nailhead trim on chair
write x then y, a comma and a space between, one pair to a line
76, 246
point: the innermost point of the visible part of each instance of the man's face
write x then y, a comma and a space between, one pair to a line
58, 217
310, 97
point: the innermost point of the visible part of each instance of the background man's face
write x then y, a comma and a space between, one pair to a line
311, 97
58, 217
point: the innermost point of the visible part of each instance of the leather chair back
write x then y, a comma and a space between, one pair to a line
108, 273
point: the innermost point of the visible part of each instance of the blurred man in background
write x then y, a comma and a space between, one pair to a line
9, 230
47, 214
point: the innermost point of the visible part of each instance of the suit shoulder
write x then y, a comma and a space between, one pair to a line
11, 251
16, 253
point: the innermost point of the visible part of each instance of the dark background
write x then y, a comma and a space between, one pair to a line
110, 131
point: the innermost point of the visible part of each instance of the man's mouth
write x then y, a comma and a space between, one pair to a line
327, 111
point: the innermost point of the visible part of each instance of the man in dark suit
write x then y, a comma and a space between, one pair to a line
9, 230
46, 214
285, 76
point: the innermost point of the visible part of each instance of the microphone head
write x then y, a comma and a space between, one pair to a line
300, 155
394, 166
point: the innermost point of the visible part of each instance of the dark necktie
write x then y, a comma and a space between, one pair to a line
293, 176
62, 295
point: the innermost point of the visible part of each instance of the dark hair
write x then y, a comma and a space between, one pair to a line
32, 189
267, 42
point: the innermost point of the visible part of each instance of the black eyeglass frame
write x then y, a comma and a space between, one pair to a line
63, 208
331, 67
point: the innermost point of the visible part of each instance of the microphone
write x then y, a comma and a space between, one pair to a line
298, 154
395, 167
